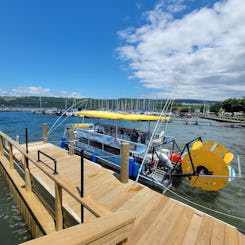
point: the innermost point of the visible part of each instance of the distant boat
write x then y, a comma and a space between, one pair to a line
121, 116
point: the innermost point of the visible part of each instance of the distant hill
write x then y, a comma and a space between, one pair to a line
90, 103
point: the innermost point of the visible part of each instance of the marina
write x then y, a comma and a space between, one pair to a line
158, 219
122, 122
145, 215
105, 197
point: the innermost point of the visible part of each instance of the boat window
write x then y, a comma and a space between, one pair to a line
84, 140
112, 150
96, 144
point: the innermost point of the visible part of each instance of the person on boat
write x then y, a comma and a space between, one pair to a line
134, 136
143, 138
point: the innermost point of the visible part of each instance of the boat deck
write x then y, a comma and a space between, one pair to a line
159, 219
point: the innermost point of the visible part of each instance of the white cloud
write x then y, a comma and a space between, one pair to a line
38, 91
176, 6
2, 92
30, 91
70, 94
200, 55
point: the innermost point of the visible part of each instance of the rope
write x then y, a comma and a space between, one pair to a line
54, 126
165, 108
201, 206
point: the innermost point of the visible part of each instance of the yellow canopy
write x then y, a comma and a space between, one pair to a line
120, 116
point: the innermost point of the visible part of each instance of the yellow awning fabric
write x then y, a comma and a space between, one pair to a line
120, 116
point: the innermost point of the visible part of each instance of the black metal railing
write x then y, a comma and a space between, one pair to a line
48, 156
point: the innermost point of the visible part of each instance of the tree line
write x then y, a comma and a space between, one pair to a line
229, 105
124, 104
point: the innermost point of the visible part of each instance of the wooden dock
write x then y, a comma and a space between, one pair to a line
117, 213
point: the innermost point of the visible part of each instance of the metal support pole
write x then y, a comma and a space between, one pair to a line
55, 167
82, 185
27, 160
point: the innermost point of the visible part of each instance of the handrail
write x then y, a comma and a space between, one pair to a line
112, 229
48, 156
95, 208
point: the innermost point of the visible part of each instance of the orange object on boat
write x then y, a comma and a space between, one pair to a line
175, 158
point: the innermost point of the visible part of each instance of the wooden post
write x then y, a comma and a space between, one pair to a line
71, 141
26, 162
124, 162
45, 132
58, 208
11, 156
28, 180
1, 146
27, 174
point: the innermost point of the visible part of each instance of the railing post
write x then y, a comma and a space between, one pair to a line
11, 156
1, 146
71, 141
58, 208
124, 162
26, 162
27, 174
45, 132
28, 180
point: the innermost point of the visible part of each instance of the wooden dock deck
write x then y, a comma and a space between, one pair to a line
158, 219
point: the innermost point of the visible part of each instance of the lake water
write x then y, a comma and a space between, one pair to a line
227, 204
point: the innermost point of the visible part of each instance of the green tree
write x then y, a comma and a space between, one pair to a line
232, 105
216, 107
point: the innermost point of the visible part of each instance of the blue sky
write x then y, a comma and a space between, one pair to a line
123, 48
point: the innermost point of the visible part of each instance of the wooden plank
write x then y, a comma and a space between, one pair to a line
231, 235
114, 187
11, 157
205, 231
148, 232
91, 205
192, 232
129, 192
107, 230
145, 218
180, 227
218, 234
105, 187
58, 208
163, 227
241, 238
157, 217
